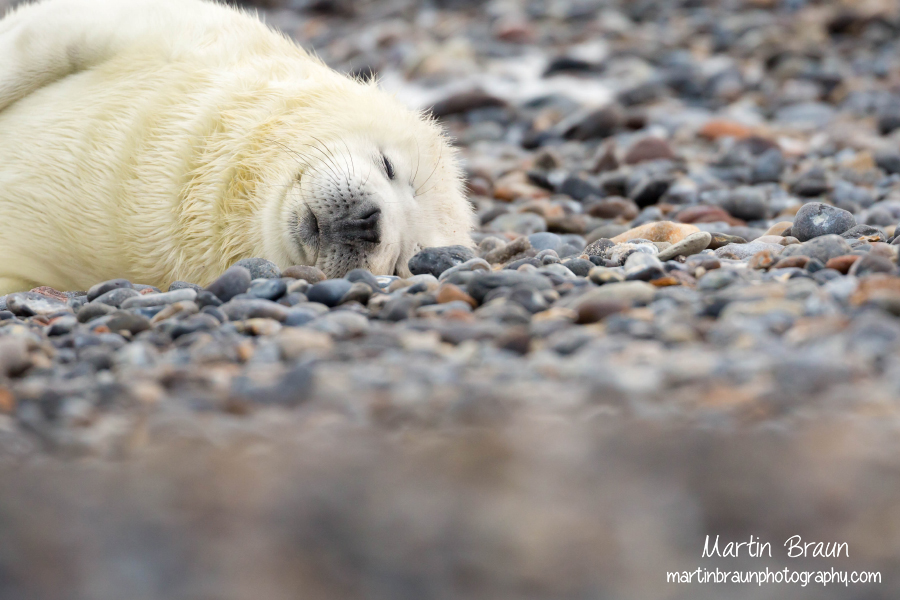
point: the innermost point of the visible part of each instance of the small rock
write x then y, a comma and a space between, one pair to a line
815, 219
29, 304
115, 297
181, 285
720, 240
823, 248
779, 228
329, 292
259, 268
269, 289
650, 189
182, 295
437, 260
842, 263
663, 231
94, 310
649, 148
747, 250
131, 322
101, 288
305, 273
692, 244
243, 309
236, 280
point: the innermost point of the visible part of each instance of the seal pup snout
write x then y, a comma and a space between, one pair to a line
362, 227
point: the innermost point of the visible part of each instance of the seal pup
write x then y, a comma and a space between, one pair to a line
159, 140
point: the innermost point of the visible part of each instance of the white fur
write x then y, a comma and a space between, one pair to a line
165, 139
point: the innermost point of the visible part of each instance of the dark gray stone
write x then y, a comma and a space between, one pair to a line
823, 248
269, 289
815, 219
329, 292
107, 286
438, 259
232, 282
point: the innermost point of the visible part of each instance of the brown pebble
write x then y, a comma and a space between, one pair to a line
842, 263
763, 259
509, 251
799, 262
779, 228
449, 293
304, 272
722, 239
666, 281
659, 231
706, 214
612, 208
597, 310
649, 148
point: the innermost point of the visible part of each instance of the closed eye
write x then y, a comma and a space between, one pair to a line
388, 167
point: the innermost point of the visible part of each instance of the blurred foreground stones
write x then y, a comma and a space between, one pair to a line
680, 319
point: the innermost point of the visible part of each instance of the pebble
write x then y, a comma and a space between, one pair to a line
28, 304
305, 273
115, 297
182, 295
242, 309
269, 289
649, 148
236, 280
107, 286
664, 231
815, 219
692, 244
259, 268
435, 261
329, 292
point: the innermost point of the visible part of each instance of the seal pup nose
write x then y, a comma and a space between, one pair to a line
365, 227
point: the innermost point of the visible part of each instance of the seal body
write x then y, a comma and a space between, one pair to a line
159, 140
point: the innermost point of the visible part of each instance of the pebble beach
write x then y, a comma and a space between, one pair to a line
680, 319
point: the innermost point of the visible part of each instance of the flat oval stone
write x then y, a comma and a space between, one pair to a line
240, 310
692, 244
29, 304
117, 296
106, 286
182, 295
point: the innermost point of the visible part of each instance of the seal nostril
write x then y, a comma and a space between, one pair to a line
366, 227
373, 214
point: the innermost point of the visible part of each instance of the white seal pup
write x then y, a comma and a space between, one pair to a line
158, 140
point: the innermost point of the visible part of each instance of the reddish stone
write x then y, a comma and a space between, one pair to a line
612, 208
649, 148
792, 261
762, 260
718, 128
449, 293
50, 293
842, 263
706, 214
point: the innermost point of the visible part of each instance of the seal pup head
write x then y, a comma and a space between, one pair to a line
370, 184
